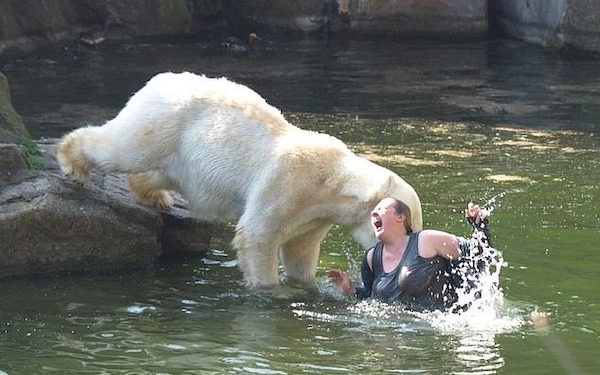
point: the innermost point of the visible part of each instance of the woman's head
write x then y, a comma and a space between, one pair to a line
388, 214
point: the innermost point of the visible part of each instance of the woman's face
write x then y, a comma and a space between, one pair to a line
385, 219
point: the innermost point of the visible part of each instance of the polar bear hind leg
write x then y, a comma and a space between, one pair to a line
150, 188
75, 154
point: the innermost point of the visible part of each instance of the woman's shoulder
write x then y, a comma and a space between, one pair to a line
377, 247
428, 233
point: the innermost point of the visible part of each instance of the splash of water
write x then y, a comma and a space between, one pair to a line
480, 304
487, 313
480, 291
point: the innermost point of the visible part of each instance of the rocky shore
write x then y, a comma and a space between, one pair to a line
49, 224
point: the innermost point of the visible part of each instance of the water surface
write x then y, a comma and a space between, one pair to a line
496, 121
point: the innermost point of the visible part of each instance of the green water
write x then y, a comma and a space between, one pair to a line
494, 121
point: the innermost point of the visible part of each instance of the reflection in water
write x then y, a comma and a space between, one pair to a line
478, 353
470, 335
396, 334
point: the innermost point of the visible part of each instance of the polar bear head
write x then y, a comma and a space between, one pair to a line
383, 183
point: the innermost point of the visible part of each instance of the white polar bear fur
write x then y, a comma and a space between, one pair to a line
235, 157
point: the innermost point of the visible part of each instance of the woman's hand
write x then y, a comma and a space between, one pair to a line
475, 214
477, 217
342, 281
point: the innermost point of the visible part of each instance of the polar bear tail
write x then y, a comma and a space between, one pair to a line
71, 157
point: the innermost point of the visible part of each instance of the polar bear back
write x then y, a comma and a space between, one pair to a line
228, 166
186, 93
217, 140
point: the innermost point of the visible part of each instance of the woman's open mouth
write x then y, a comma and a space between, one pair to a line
377, 223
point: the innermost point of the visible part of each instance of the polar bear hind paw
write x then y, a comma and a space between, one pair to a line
72, 160
146, 188
160, 199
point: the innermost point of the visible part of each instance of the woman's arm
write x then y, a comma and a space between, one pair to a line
437, 243
434, 243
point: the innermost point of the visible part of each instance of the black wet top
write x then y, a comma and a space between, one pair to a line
419, 283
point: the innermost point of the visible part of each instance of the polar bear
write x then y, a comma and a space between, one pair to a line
233, 156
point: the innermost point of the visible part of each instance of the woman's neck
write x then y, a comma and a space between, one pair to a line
397, 243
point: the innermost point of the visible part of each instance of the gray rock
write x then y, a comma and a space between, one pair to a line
49, 224
453, 18
447, 18
11, 124
26, 25
550, 23
12, 159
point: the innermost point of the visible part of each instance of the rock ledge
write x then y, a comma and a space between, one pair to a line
50, 224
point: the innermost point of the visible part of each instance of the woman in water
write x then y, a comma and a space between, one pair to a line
421, 270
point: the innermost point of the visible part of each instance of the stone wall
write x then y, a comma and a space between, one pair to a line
451, 18
551, 23
25, 25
